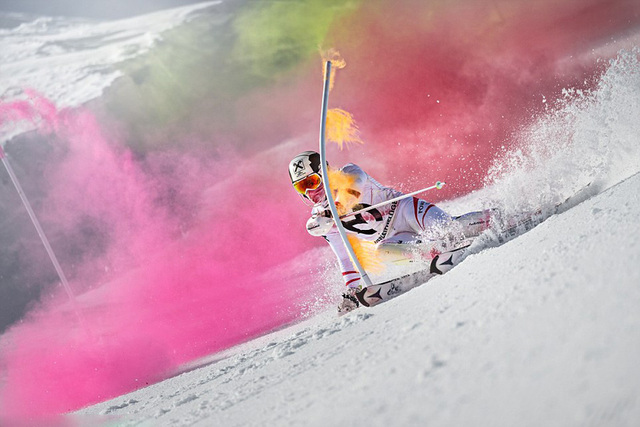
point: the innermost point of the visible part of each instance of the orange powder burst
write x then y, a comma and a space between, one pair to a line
367, 254
337, 62
344, 190
342, 128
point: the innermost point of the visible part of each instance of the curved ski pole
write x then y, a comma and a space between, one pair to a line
325, 178
437, 185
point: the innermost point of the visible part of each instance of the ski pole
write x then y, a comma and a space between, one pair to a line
325, 178
438, 185
43, 237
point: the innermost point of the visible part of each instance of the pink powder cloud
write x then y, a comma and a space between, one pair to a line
173, 282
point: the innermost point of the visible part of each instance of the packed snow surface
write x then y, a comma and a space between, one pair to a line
543, 330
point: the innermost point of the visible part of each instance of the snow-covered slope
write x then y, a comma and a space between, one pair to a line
72, 61
543, 330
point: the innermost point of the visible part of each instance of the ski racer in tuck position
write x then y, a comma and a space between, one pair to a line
392, 227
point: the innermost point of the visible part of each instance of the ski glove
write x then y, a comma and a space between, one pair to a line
319, 225
321, 209
321, 220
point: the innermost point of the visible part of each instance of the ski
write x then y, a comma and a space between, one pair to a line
502, 230
381, 292
517, 225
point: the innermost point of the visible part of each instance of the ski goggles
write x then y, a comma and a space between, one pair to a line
309, 183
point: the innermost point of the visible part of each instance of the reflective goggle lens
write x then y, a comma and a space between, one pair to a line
309, 183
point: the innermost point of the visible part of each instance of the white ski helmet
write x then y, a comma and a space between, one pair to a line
303, 165
305, 172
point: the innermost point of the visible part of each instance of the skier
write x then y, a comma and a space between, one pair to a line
391, 227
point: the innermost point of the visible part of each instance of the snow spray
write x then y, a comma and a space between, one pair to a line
589, 141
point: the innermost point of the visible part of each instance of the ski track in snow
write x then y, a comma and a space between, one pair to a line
540, 331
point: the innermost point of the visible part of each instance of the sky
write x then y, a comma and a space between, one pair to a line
97, 9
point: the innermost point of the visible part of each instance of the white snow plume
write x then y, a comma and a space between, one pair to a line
591, 139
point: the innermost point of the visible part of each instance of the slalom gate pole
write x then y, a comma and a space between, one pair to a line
438, 185
43, 237
325, 178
